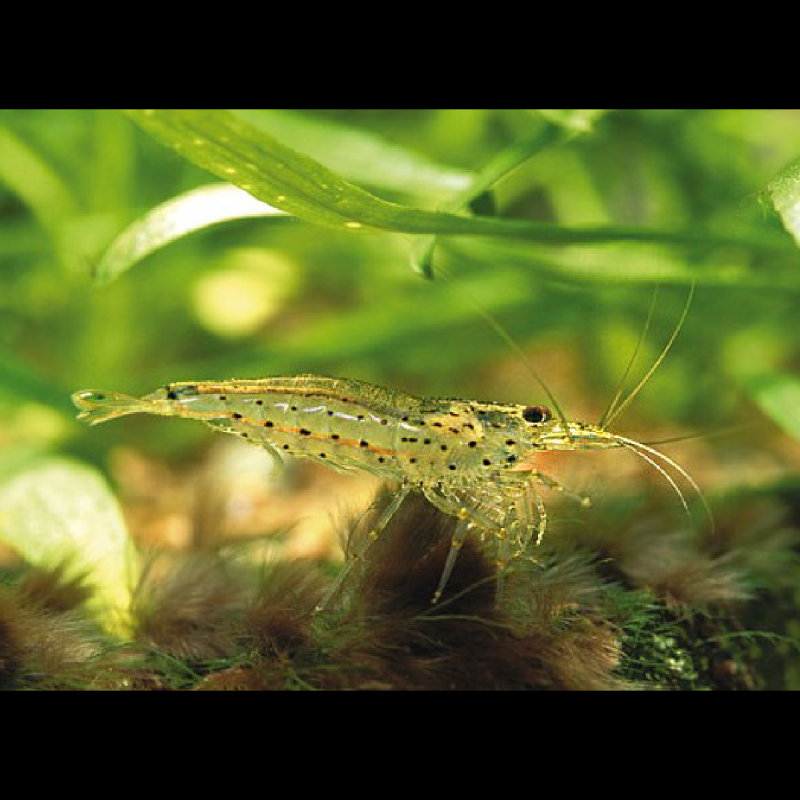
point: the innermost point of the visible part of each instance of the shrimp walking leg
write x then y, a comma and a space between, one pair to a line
531, 517
457, 540
504, 557
550, 483
353, 557
474, 510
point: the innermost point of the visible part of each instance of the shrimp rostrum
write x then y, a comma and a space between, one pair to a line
475, 461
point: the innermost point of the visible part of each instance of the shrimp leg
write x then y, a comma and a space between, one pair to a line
471, 513
457, 540
550, 483
375, 532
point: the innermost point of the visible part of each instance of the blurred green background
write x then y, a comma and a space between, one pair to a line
258, 297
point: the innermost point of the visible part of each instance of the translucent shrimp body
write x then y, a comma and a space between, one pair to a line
472, 460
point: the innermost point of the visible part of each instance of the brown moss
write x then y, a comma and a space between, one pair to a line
184, 606
576, 620
388, 635
45, 642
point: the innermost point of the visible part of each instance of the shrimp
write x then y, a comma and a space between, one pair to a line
473, 460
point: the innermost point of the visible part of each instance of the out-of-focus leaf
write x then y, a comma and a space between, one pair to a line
576, 120
620, 262
59, 512
20, 382
32, 179
504, 162
778, 396
222, 143
188, 212
358, 155
330, 340
21, 238
784, 192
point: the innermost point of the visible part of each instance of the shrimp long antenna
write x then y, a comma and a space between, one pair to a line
505, 336
666, 475
621, 407
727, 431
631, 444
612, 405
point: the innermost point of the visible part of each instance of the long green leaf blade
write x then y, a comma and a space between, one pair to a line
184, 214
269, 170
258, 163
358, 155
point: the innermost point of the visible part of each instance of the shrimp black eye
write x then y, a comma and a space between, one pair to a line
174, 394
536, 413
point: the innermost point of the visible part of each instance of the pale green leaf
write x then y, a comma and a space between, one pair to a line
188, 212
57, 511
576, 120
778, 396
784, 192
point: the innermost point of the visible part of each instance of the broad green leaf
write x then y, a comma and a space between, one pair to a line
56, 511
358, 155
188, 212
778, 396
784, 192
227, 146
501, 165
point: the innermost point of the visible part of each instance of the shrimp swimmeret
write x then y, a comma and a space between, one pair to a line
473, 460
